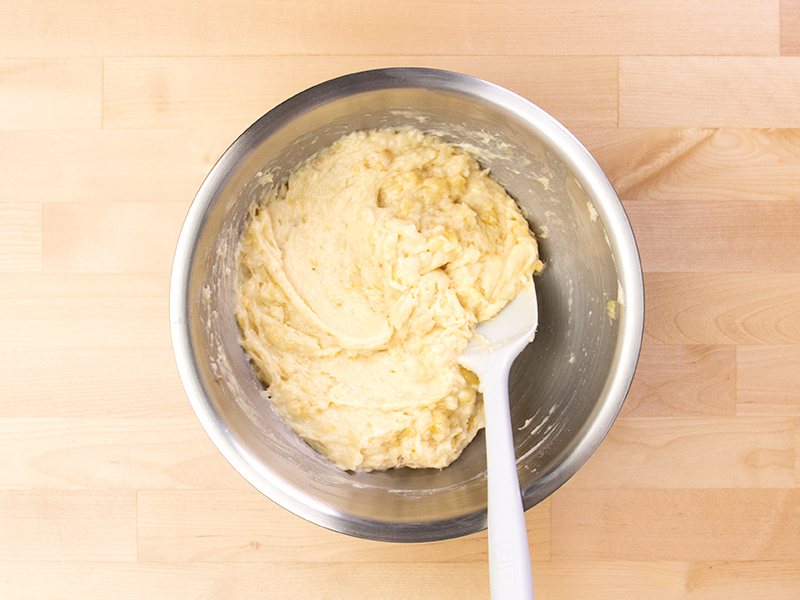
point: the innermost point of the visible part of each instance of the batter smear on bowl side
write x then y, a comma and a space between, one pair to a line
360, 282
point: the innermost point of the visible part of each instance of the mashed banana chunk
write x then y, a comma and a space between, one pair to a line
360, 283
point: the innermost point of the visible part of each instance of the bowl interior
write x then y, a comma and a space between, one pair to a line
566, 387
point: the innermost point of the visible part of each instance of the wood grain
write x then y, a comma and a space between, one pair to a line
103, 237
688, 91
723, 308
695, 525
68, 526
705, 235
683, 380
665, 580
281, 581
768, 380
691, 164
406, 27
162, 92
720, 580
238, 527
113, 112
50, 93
68, 454
693, 453
131, 382
790, 27
576, 580
20, 237
68, 310
97, 165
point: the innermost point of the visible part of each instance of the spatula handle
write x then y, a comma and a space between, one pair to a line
509, 552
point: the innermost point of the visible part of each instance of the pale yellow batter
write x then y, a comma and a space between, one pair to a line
360, 283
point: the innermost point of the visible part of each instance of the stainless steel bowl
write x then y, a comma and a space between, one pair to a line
566, 388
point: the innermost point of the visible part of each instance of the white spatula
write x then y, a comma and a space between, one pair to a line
490, 354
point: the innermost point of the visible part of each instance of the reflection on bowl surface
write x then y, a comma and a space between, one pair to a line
567, 386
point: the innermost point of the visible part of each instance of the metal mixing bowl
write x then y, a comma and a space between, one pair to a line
566, 388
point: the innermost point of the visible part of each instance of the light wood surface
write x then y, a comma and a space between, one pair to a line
111, 114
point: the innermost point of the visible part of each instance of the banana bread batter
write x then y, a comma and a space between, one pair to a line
360, 283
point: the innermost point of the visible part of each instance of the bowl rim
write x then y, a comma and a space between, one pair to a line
571, 152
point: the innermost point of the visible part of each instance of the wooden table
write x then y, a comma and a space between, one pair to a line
112, 113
